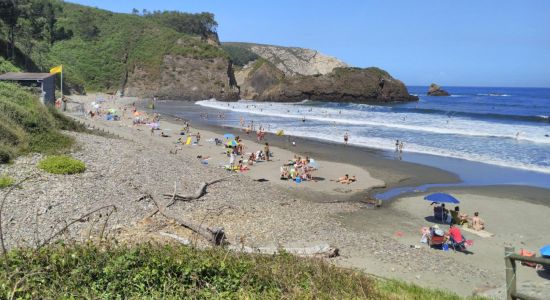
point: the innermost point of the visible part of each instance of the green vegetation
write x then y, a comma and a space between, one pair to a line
239, 55
6, 66
61, 164
6, 181
28, 126
98, 47
175, 272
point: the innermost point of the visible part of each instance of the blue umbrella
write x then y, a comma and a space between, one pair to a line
545, 251
232, 143
441, 198
229, 136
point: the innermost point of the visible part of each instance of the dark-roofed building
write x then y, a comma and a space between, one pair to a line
46, 81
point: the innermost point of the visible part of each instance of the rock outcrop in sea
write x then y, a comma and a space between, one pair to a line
436, 90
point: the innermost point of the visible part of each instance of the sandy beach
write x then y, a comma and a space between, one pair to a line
383, 241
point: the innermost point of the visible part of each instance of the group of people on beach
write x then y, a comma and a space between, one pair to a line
298, 169
455, 216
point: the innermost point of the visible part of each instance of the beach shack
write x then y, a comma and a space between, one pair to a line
45, 80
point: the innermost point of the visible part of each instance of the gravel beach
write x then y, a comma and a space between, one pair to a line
121, 170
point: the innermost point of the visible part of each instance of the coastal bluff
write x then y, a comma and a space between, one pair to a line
436, 90
267, 83
290, 74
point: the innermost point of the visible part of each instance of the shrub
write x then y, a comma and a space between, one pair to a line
61, 164
148, 271
6, 181
28, 126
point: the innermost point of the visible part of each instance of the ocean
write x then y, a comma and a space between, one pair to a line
500, 126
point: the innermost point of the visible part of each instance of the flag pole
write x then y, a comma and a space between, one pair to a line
62, 98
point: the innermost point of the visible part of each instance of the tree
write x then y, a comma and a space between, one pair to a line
10, 10
86, 25
202, 24
135, 11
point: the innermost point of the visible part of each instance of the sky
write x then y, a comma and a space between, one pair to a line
449, 42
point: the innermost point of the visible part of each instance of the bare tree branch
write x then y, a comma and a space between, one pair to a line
79, 219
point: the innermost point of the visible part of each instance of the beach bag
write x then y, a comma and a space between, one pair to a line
527, 253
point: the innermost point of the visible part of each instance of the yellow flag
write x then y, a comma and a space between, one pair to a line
57, 69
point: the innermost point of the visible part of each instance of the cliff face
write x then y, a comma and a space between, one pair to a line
292, 60
294, 74
184, 78
341, 85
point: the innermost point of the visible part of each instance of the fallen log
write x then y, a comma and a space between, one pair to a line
214, 235
321, 250
176, 237
201, 191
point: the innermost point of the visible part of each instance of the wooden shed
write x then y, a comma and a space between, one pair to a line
45, 80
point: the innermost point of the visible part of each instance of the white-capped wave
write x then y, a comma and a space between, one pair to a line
494, 95
437, 124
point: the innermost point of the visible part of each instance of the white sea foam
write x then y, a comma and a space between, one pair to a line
438, 124
494, 143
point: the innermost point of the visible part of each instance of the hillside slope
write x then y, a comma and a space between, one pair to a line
165, 54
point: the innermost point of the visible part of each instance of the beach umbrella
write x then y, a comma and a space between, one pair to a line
232, 143
229, 136
545, 251
441, 198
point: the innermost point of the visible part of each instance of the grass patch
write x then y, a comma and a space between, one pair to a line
176, 272
28, 126
6, 181
61, 164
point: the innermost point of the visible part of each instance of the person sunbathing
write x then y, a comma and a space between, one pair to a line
284, 173
346, 179
477, 222
251, 159
343, 179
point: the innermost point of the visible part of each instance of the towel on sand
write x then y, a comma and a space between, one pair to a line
481, 233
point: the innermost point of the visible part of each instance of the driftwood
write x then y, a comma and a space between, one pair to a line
214, 235
79, 219
322, 250
178, 238
201, 191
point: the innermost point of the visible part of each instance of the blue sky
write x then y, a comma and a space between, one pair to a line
450, 42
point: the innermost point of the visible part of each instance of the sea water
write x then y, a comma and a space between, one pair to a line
507, 127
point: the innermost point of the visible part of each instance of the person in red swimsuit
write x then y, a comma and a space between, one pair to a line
454, 232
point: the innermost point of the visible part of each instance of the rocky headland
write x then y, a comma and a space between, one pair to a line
436, 90
294, 74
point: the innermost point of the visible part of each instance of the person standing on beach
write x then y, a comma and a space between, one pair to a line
396, 145
346, 138
266, 150
401, 145
198, 136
